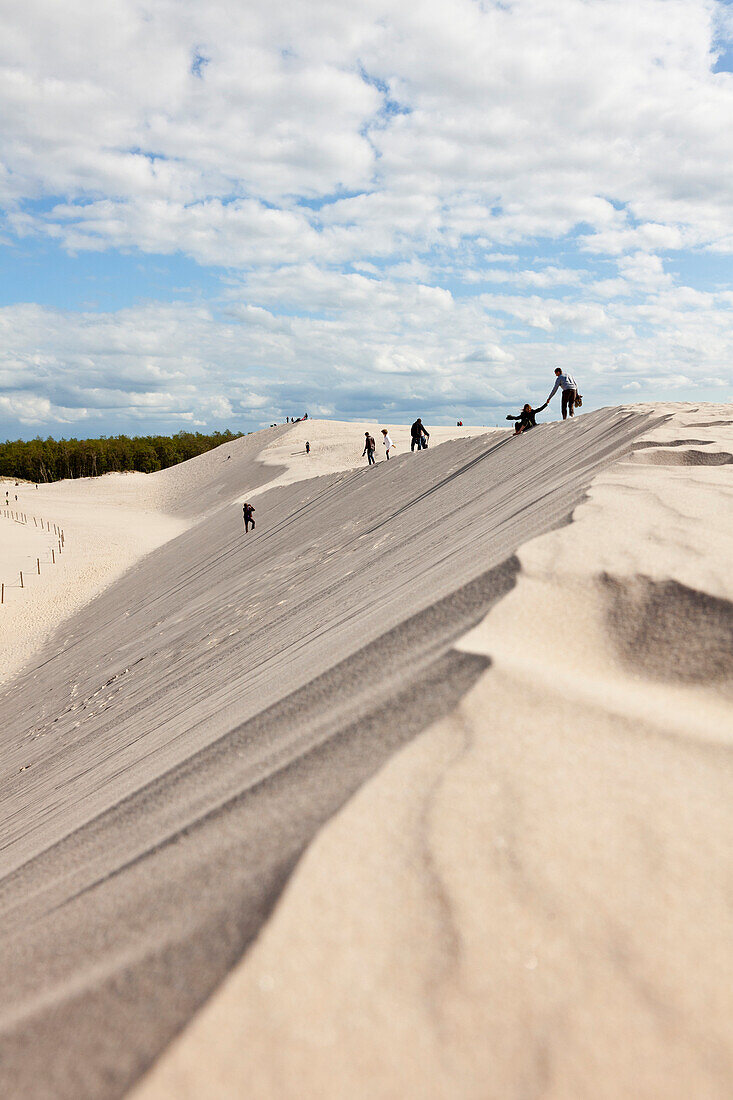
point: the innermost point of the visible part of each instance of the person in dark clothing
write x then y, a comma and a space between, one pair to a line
419, 435
307, 447
248, 516
526, 418
369, 448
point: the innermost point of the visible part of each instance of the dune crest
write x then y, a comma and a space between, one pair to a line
531, 897
171, 755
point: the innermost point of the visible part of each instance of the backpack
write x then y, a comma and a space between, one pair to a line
578, 400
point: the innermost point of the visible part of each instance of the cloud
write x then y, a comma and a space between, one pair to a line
356, 176
513, 121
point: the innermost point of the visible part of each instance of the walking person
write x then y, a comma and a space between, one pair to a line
307, 447
248, 516
369, 448
387, 440
419, 435
568, 385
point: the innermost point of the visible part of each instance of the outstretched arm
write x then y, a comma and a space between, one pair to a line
553, 391
510, 417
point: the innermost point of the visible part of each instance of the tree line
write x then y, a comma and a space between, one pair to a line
53, 459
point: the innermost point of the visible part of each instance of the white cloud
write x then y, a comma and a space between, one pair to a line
503, 120
360, 169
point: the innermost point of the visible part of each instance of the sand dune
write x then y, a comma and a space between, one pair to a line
338, 444
493, 682
111, 522
531, 898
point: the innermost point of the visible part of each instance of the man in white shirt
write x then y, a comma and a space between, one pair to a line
569, 388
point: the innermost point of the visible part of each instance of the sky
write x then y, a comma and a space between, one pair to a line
218, 215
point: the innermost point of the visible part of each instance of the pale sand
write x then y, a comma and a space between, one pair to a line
113, 521
105, 533
170, 755
532, 898
338, 445
526, 869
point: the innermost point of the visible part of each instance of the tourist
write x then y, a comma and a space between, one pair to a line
526, 418
419, 435
369, 448
568, 385
387, 440
248, 516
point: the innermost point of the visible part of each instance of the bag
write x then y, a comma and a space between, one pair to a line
578, 400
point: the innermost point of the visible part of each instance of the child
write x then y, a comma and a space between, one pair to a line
387, 441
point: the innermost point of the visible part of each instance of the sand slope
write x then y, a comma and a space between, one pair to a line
532, 898
176, 748
109, 524
338, 445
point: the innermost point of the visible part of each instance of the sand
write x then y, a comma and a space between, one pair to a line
105, 533
482, 749
531, 898
339, 444
113, 521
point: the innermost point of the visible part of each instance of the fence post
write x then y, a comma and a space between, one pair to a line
38, 564
2, 593
21, 578
53, 557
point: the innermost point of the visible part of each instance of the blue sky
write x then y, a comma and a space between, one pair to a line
219, 216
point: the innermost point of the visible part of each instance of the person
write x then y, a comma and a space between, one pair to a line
526, 418
369, 448
420, 435
307, 447
248, 515
388, 444
569, 388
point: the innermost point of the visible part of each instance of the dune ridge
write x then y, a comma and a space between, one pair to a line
193, 728
531, 897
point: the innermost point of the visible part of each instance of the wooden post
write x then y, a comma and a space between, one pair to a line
59, 546
53, 557
38, 563
35, 521
21, 579
2, 593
